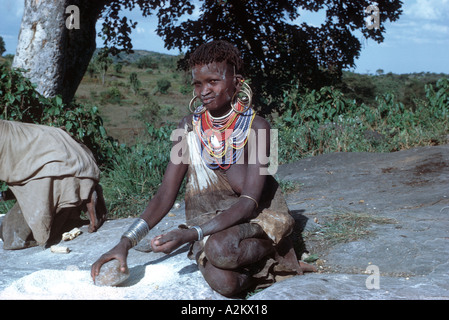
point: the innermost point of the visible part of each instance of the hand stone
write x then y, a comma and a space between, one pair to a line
110, 274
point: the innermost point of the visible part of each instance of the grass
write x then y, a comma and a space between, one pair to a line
125, 117
313, 123
344, 226
290, 186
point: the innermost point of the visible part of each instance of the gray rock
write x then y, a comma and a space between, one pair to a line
111, 275
411, 254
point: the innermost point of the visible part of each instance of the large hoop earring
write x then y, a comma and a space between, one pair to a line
245, 101
194, 109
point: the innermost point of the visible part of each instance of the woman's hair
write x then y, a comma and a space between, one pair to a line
217, 51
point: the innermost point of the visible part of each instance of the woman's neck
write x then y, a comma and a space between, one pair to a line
221, 116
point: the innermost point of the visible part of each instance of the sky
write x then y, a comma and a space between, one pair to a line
417, 42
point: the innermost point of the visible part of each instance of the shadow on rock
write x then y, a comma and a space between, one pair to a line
137, 273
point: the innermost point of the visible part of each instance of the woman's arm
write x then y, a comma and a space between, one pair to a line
156, 209
244, 209
253, 182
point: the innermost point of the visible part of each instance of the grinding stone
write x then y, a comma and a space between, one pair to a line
110, 274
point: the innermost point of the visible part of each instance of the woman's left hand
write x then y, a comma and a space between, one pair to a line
172, 240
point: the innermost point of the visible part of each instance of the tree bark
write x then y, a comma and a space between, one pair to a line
53, 56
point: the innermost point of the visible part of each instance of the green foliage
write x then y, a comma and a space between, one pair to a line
112, 95
163, 85
21, 102
326, 121
271, 41
118, 67
135, 82
2, 46
185, 89
317, 105
407, 88
147, 62
151, 111
137, 172
100, 64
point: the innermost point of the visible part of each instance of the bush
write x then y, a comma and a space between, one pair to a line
325, 121
112, 95
135, 82
20, 101
146, 62
163, 86
118, 67
137, 172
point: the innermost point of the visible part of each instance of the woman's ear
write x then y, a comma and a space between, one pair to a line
238, 78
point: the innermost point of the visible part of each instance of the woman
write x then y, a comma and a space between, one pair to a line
237, 219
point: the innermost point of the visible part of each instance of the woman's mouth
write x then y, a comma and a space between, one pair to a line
207, 101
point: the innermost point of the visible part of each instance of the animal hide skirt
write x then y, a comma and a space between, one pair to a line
208, 193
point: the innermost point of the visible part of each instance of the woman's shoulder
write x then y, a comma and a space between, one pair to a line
185, 121
260, 123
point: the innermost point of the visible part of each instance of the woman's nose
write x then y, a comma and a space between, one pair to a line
205, 90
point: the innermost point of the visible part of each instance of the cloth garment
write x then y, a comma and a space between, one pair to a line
48, 171
208, 193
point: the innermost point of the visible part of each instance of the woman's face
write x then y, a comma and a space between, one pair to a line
215, 84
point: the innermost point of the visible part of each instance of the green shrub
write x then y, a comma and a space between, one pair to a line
185, 89
325, 121
147, 62
112, 96
20, 101
118, 67
137, 172
135, 82
163, 86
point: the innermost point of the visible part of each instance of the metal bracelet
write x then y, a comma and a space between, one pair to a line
251, 198
200, 232
137, 231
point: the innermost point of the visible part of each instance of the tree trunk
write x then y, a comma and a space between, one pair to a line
54, 54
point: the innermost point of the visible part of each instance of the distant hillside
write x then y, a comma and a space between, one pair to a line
130, 58
406, 87
126, 110
160, 93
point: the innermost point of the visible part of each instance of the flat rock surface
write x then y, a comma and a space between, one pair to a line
409, 189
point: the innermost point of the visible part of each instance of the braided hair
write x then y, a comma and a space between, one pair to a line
217, 51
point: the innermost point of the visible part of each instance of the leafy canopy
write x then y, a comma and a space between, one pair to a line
278, 47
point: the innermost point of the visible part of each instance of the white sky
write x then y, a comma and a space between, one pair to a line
417, 42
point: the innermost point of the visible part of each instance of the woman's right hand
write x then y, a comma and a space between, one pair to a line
119, 252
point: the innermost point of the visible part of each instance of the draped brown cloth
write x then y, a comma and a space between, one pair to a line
208, 193
47, 170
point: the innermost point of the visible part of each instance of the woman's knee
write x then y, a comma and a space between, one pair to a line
227, 283
222, 250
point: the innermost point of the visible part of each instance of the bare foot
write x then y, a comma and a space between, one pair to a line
96, 209
307, 267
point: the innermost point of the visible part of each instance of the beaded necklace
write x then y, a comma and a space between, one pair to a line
222, 139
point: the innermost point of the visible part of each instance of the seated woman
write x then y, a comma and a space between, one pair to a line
237, 220
52, 177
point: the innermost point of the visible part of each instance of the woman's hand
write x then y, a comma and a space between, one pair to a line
119, 252
172, 240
